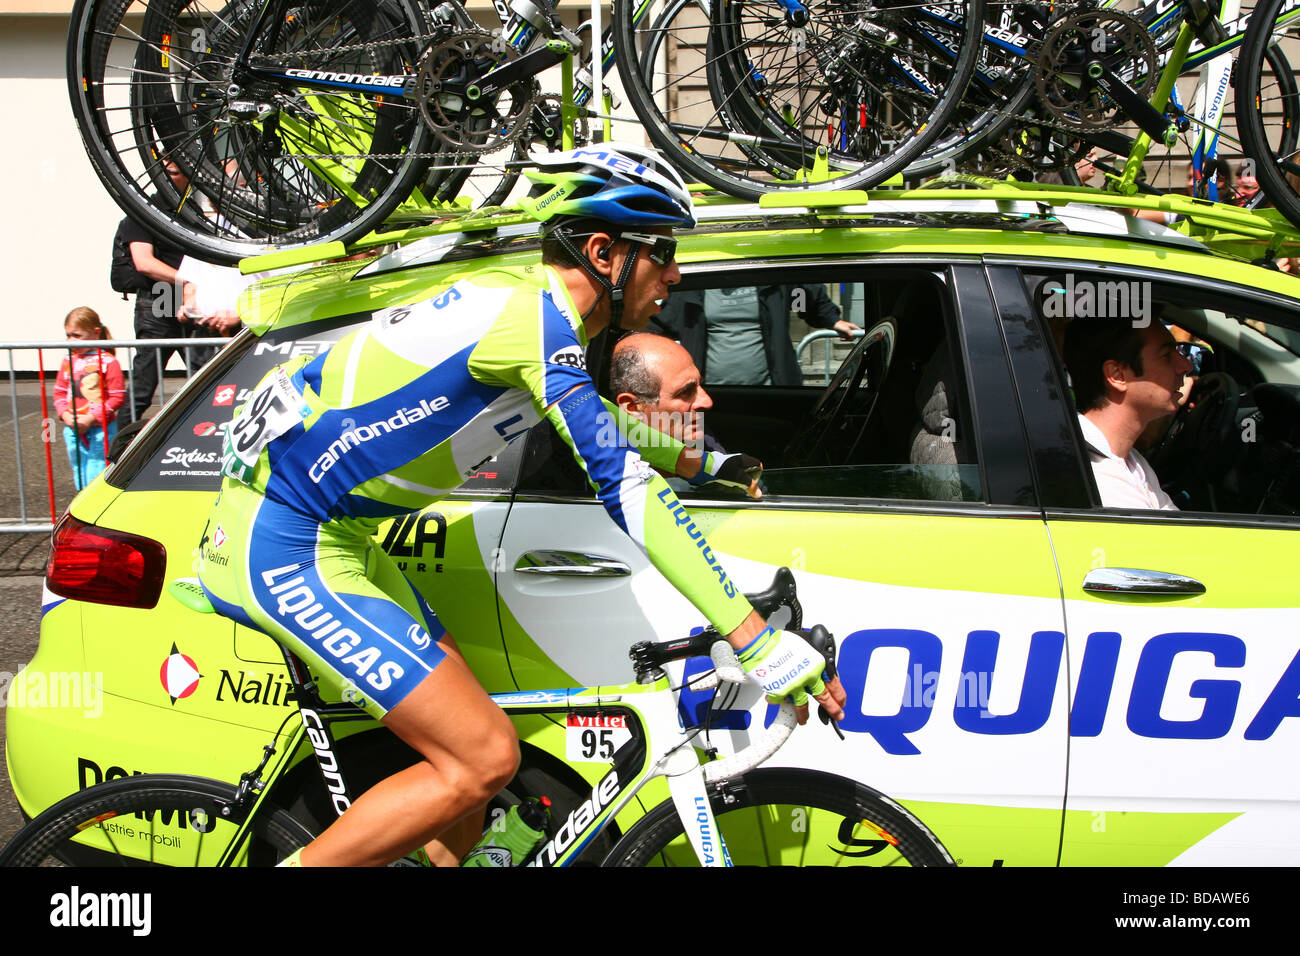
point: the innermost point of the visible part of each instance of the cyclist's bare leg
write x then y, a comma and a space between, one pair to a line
455, 841
470, 752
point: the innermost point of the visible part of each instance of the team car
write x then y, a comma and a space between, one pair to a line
1040, 679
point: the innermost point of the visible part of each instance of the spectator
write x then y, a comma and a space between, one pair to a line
1124, 378
157, 306
741, 336
88, 392
1247, 184
1214, 170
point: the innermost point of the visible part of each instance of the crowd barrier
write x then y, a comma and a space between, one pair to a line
27, 422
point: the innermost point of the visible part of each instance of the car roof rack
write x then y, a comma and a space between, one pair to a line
1257, 235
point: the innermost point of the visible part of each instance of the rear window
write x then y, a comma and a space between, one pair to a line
181, 451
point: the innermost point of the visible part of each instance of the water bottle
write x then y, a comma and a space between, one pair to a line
512, 840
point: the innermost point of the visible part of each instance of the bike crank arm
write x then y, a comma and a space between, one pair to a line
1152, 122
503, 77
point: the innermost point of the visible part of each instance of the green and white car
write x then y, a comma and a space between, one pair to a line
1007, 680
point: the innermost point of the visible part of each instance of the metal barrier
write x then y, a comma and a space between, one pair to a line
812, 337
23, 523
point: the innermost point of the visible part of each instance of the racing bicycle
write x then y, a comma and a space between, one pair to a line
299, 123
1033, 105
719, 812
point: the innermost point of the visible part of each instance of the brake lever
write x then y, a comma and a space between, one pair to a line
823, 641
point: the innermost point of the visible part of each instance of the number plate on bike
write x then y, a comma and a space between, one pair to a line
594, 738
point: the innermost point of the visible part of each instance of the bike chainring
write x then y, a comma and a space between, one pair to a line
1092, 40
448, 89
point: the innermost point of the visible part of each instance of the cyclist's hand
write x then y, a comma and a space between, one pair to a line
785, 665
737, 472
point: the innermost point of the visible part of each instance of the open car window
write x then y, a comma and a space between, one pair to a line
883, 414
1233, 447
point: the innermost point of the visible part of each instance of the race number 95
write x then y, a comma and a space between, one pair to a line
595, 738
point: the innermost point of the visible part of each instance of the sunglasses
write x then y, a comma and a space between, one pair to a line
1196, 354
662, 248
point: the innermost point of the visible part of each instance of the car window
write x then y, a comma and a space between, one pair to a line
1233, 445
884, 414
184, 454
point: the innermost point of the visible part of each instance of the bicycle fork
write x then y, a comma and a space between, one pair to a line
685, 777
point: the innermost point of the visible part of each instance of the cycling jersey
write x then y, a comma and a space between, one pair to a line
388, 421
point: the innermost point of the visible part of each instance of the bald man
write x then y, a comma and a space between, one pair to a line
653, 379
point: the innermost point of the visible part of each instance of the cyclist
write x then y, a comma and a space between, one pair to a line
402, 410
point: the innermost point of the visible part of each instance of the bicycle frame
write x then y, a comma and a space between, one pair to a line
659, 743
659, 746
1184, 57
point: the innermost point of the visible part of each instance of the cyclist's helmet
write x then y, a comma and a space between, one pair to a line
614, 183
606, 188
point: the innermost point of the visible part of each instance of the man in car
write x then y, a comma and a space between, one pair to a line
1125, 376
653, 379
404, 409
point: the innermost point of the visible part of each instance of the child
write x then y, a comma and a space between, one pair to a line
88, 392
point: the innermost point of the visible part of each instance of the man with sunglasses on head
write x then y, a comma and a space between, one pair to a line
401, 411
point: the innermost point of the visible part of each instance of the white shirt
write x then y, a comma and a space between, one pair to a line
1123, 482
217, 288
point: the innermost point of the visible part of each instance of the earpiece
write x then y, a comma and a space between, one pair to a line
604, 253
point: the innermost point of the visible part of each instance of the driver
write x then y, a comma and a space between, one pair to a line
1124, 378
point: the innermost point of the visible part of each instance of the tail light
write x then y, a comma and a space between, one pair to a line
104, 566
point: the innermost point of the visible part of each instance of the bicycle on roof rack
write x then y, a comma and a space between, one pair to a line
298, 123
1054, 82
720, 812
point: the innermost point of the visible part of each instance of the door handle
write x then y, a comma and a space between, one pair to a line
570, 564
1137, 581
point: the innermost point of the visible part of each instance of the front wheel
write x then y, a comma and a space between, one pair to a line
259, 162
152, 820
781, 817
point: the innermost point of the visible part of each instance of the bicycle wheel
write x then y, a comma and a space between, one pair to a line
268, 163
780, 817
754, 96
1000, 91
152, 820
1268, 105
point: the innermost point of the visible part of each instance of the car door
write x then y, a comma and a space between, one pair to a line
932, 567
1183, 628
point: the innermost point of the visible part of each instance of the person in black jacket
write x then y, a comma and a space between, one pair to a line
741, 335
156, 304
